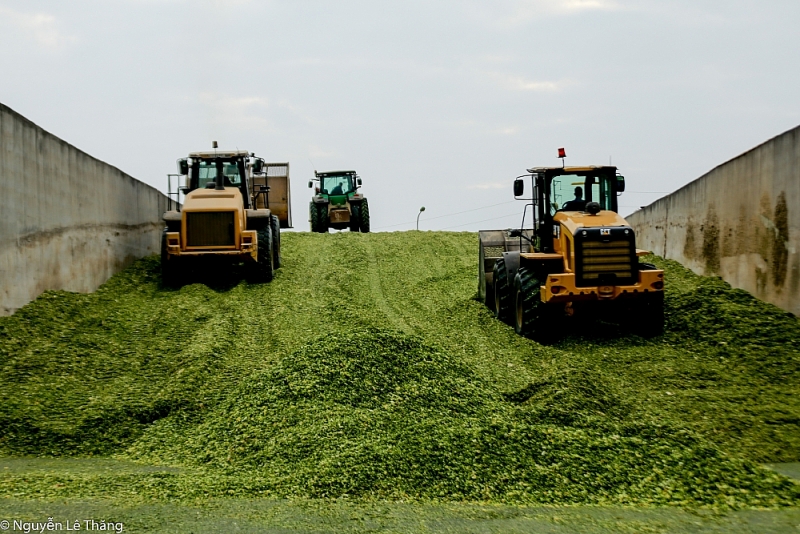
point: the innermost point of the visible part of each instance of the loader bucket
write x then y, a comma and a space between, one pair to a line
492, 244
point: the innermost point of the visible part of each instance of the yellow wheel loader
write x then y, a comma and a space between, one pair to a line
577, 257
226, 215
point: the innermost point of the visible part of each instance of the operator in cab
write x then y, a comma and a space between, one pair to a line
577, 204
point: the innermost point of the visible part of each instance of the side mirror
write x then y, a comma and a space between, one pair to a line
519, 187
183, 166
620, 184
258, 165
310, 184
358, 181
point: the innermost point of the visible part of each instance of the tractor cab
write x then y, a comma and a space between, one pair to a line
337, 185
561, 194
597, 184
337, 203
215, 170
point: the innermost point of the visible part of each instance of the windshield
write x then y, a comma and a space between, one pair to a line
571, 192
231, 169
337, 185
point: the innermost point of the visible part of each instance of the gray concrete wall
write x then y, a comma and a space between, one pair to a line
67, 220
740, 221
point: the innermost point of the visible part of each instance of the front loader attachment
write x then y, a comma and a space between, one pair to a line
491, 247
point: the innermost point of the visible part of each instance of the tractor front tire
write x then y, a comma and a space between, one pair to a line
263, 269
322, 216
532, 318
502, 291
364, 222
275, 226
355, 217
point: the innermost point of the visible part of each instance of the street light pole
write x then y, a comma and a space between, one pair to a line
418, 214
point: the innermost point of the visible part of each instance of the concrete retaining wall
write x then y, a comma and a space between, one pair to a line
740, 221
67, 220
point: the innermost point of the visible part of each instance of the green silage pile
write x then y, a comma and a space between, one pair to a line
366, 369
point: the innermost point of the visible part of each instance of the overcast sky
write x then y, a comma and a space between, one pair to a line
435, 103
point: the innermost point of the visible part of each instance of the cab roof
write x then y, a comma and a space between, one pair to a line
334, 173
572, 170
211, 154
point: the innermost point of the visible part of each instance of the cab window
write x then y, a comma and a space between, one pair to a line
336, 185
562, 190
207, 172
600, 191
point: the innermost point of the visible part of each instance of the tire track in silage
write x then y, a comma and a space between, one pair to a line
377, 291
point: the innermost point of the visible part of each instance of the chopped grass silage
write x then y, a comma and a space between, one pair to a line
367, 369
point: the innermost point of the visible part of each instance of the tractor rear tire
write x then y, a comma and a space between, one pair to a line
502, 291
355, 217
532, 318
168, 271
275, 226
263, 269
364, 219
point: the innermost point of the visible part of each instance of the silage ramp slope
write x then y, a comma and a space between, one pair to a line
379, 414
280, 389
85, 374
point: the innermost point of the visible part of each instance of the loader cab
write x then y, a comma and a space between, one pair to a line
555, 186
598, 185
202, 169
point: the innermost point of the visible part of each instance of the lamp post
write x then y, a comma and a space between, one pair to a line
418, 214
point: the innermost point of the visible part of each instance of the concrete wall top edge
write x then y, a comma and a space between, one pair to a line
5, 109
697, 181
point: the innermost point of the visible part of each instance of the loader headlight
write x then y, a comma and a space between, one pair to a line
657, 285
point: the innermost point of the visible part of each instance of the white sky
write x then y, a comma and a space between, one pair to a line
434, 103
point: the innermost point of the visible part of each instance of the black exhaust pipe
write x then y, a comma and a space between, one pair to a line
220, 177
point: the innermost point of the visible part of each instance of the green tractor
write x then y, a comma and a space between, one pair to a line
337, 203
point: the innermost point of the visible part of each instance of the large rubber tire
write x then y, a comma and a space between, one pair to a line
169, 273
313, 216
275, 226
647, 318
322, 215
502, 291
355, 217
532, 318
263, 269
364, 223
